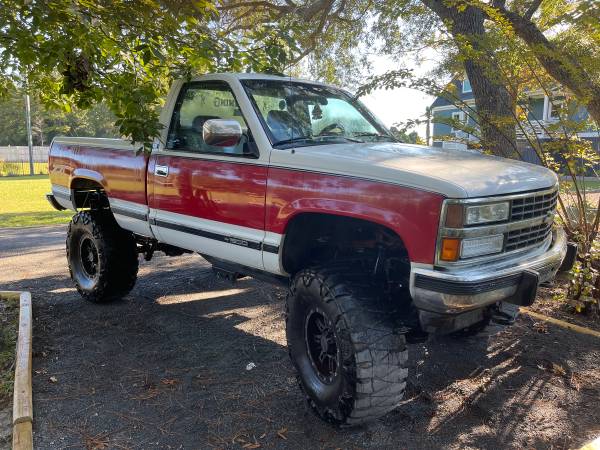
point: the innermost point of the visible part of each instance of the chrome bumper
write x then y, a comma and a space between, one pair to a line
463, 290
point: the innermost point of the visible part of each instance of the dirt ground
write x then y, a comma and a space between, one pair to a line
167, 368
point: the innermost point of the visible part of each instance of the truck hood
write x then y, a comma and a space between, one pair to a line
452, 173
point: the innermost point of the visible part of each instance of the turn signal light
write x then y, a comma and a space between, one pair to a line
450, 249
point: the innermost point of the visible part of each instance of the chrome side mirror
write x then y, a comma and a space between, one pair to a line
221, 132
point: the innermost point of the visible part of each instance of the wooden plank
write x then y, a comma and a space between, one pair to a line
22, 403
561, 323
594, 445
22, 436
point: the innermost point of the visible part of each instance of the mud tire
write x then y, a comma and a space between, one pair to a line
370, 373
102, 257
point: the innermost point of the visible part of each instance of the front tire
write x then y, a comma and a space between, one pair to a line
102, 256
344, 341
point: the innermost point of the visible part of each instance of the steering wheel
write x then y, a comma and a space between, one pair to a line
330, 128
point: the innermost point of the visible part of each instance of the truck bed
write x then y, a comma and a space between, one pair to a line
113, 164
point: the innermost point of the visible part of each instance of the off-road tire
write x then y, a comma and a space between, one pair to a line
111, 270
370, 375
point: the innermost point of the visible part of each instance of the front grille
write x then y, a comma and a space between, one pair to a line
529, 225
526, 237
536, 205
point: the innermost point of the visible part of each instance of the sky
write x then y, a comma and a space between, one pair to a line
398, 105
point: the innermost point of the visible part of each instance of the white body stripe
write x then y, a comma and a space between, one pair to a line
234, 250
131, 216
112, 143
272, 261
63, 196
452, 173
223, 250
235, 231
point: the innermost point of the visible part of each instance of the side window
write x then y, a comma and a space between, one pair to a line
197, 103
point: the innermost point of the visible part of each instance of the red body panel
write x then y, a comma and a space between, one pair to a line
413, 214
222, 191
120, 172
239, 194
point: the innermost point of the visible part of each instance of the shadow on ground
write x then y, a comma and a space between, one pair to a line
166, 368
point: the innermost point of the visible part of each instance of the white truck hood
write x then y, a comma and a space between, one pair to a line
452, 173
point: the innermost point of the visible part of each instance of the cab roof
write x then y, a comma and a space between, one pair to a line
226, 76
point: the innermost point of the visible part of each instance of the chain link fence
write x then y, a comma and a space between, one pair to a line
14, 161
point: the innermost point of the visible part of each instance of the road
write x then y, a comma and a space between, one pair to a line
166, 368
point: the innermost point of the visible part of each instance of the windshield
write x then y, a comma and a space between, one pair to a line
301, 114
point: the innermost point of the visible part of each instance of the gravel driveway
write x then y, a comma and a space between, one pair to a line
167, 368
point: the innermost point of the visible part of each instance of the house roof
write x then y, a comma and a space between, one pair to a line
442, 101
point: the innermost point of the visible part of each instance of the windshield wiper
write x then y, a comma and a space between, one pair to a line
313, 139
292, 140
337, 136
370, 134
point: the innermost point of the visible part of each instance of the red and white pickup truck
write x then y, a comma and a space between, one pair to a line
297, 182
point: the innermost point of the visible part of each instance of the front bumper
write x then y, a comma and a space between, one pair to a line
465, 290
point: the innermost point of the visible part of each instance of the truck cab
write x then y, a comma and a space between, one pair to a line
296, 182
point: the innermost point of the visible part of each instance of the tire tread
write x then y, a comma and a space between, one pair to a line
117, 249
379, 349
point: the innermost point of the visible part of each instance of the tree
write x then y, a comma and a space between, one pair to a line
402, 135
494, 102
125, 53
12, 121
97, 121
572, 59
509, 49
478, 37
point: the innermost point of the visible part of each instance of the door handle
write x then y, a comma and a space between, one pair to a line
161, 171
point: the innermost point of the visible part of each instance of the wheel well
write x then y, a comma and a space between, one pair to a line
313, 238
88, 194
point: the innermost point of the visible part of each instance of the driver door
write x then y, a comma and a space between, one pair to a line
205, 198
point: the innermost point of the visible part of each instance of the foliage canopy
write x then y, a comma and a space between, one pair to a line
126, 53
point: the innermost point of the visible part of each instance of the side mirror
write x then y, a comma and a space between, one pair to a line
221, 132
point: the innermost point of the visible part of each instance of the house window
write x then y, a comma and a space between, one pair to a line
466, 86
555, 107
458, 116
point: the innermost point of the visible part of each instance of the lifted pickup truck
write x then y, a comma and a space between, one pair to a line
292, 181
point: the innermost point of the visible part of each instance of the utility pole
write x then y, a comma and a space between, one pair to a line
29, 137
427, 130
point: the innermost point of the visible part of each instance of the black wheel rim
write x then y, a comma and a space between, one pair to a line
321, 345
88, 254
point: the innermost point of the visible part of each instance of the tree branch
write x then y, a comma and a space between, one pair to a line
563, 67
532, 9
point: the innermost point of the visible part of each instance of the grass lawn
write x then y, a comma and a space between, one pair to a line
9, 317
23, 203
590, 185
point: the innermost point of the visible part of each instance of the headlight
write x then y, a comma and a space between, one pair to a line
493, 212
487, 245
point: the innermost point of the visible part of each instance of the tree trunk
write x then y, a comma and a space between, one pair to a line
495, 110
495, 105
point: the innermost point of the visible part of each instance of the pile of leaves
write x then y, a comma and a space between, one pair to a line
9, 318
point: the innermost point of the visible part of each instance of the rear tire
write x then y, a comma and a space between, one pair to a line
102, 257
344, 341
